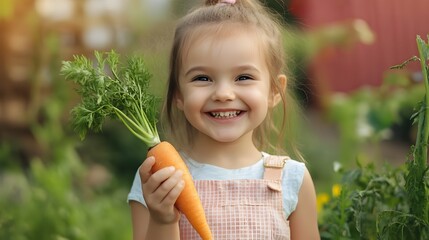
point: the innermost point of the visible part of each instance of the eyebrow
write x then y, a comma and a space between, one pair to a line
248, 67
240, 68
196, 68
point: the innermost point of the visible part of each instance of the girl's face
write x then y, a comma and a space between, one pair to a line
224, 86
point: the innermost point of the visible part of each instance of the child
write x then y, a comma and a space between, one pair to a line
226, 76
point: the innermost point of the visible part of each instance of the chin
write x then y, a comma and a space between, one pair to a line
225, 139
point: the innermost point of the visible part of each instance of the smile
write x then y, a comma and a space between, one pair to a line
229, 114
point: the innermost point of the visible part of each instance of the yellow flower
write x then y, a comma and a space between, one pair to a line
322, 199
336, 190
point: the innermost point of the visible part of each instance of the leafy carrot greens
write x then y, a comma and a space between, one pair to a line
110, 89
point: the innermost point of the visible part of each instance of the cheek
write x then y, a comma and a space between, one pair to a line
257, 96
192, 101
259, 102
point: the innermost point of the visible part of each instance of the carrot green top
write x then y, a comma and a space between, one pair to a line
109, 89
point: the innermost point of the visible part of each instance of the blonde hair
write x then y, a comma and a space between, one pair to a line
248, 13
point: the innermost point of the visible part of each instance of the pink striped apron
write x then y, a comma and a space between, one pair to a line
243, 209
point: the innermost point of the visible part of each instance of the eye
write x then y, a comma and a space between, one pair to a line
202, 78
244, 77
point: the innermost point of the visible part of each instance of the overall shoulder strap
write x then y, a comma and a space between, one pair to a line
273, 170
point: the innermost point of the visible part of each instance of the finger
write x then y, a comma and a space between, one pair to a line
157, 178
172, 196
167, 185
145, 169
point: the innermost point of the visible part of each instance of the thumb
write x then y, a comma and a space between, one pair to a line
145, 169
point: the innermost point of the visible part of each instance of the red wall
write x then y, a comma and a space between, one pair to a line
395, 24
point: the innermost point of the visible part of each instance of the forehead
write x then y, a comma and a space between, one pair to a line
231, 41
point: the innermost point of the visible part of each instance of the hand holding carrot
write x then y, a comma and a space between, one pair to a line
161, 190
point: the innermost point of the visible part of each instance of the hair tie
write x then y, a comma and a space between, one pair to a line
226, 2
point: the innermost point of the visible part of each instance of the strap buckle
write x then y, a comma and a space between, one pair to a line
275, 162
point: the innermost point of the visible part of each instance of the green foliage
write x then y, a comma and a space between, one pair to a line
109, 89
367, 199
53, 198
54, 202
373, 204
370, 113
417, 187
392, 203
117, 149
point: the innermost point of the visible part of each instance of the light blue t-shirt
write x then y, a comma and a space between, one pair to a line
293, 174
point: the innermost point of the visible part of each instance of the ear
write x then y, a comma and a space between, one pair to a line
276, 93
178, 99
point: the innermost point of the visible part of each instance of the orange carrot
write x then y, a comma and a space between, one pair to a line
188, 201
121, 93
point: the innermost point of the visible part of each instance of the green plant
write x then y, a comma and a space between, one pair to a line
123, 94
53, 198
366, 196
369, 114
416, 185
54, 202
392, 203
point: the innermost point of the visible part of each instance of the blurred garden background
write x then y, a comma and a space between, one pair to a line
355, 109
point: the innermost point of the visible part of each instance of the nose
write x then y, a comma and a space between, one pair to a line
223, 92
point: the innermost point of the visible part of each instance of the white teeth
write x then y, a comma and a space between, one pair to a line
229, 114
